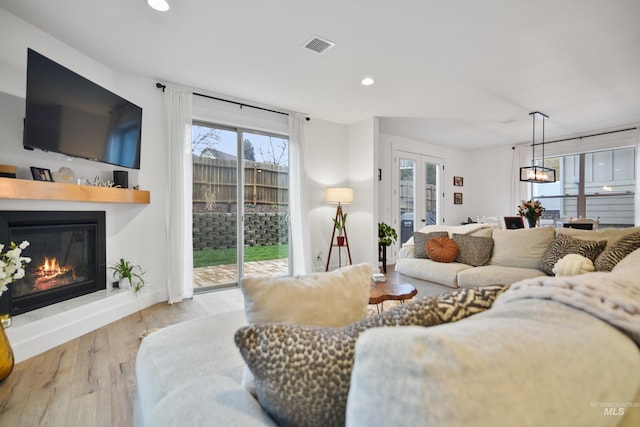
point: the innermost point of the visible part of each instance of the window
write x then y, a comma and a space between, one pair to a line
599, 185
239, 230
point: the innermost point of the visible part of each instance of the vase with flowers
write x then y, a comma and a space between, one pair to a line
11, 269
532, 210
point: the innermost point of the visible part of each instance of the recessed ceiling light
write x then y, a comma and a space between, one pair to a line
367, 81
160, 5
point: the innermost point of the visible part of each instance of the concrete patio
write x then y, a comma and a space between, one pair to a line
228, 273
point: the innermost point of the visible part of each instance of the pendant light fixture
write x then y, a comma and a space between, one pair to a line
533, 173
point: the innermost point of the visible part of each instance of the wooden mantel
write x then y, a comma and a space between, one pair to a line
11, 188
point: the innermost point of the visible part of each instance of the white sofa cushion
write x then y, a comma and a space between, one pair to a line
524, 363
207, 401
426, 269
495, 275
521, 248
182, 353
608, 234
334, 298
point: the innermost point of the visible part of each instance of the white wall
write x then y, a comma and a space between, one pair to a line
456, 163
326, 165
489, 192
133, 231
362, 159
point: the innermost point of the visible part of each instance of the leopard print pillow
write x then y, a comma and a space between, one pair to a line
303, 373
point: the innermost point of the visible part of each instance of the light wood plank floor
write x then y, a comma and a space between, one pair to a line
90, 381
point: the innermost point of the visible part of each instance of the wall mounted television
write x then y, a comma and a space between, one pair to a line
69, 114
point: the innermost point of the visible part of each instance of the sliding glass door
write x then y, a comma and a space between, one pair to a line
233, 239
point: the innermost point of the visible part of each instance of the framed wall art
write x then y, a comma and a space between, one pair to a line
41, 174
457, 198
458, 181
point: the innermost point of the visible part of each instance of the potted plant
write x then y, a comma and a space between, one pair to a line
340, 222
386, 234
124, 269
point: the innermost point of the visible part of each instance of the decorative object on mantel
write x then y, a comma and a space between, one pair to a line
124, 269
339, 195
11, 269
66, 175
533, 173
41, 174
458, 181
8, 171
121, 179
532, 210
99, 182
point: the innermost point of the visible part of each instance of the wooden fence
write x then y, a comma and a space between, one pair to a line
215, 181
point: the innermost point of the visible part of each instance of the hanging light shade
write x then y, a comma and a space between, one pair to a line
533, 173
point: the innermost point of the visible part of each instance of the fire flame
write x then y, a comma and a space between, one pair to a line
51, 268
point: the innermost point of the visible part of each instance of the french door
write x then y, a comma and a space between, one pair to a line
417, 189
240, 205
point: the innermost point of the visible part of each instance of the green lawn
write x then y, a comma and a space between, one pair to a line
210, 257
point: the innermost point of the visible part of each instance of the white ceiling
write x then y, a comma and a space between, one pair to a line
461, 73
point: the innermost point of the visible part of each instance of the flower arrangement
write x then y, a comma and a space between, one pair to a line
12, 264
531, 209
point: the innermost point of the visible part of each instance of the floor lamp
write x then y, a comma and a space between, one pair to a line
339, 195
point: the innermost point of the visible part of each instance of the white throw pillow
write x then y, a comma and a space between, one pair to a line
573, 264
334, 298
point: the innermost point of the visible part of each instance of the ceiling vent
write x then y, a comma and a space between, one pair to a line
319, 45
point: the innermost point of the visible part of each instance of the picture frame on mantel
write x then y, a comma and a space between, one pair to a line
457, 198
458, 181
41, 174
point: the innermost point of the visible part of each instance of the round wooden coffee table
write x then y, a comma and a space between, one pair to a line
384, 291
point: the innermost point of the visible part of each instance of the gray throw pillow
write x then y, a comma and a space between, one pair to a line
617, 251
303, 373
564, 245
473, 250
420, 241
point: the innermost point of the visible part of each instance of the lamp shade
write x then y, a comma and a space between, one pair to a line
339, 195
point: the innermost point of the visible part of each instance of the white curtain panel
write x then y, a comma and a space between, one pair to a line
178, 105
298, 206
637, 195
520, 191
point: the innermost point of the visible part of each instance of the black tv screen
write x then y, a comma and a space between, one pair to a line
69, 114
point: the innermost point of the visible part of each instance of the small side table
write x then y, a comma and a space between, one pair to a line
384, 291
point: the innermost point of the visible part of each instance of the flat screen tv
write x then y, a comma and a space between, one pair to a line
69, 114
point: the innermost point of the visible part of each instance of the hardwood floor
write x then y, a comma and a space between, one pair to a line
90, 381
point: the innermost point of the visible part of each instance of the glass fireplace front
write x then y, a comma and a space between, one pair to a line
67, 251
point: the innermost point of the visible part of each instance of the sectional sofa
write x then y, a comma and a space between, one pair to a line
549, 351
502, 256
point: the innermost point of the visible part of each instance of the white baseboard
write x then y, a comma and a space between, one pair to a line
40, 330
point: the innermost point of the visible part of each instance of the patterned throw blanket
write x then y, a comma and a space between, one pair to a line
612, 298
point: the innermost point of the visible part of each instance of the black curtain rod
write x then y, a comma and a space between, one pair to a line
585, 136
163, 87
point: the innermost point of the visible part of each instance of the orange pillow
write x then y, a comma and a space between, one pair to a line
442, 249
